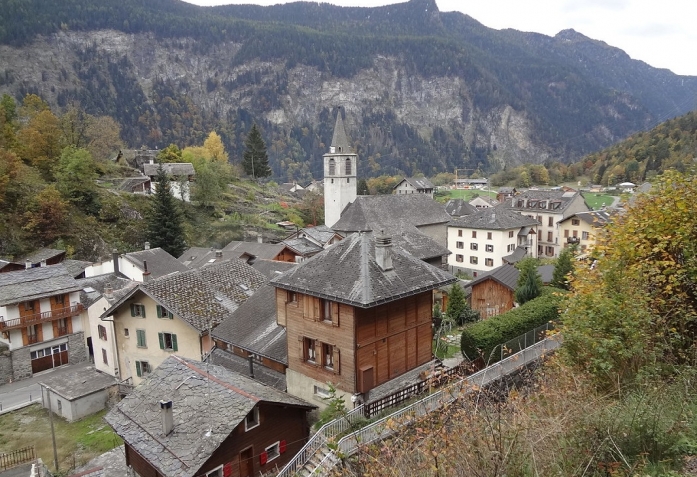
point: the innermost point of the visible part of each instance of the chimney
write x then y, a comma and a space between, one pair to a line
146, 273
152, 160
218, 254
167, 417
27, 264
147, 246
260, 239
43, 263
383, 251
108, 291
115, 259
251, 366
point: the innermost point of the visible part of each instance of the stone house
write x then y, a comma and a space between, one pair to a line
181, 175
414, 185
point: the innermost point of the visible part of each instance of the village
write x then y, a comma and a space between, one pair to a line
218, 362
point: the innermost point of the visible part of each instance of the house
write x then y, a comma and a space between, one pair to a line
358, 314
181, 174
38, 258
290, 187
315, 186
471, 183
192, 419
459, 208
135, 185
175, 313
307, 242
81, 392
548, 207
483, 202
493, 293
583, 228
197, 257
411, 185
505, 193
146, 264
627, 187
40, 320
479, 242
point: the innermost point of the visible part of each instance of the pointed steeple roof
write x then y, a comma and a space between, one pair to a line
340, 142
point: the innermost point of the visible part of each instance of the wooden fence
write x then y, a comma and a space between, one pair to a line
17, 457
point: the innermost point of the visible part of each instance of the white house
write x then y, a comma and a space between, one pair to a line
181, 174
414, 185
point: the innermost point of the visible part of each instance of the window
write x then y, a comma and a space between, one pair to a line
326, 310
474, 234
575, 222
566, 233
488, 235
489, 262
332, 167
459, 258
102, 332
489, 248
168, 341
125, 332
140, 339
459, 233
137, 309
474, 260
28, 306
584, 235
347, 170
575, 233
550, 222
539, 219
215, 472
163, 312
549, 251
60, 405
272, 452
459, 244
510, 248
252, 419
321, 392
291, 297
328, 356
474, 246
539, 235
550, 236
309, 350
143, 368
104, 356
510, 234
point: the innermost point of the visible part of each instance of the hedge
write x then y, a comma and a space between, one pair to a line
482, 337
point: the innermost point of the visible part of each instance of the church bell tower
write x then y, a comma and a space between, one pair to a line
340, 170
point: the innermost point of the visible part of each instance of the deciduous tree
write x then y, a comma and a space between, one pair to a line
215, 146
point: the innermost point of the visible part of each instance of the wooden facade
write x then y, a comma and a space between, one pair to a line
369, 346
240, 454
286, 255
263, 360
491, 298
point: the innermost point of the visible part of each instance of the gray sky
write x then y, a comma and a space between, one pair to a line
663, 33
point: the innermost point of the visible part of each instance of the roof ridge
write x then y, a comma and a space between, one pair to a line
217, 380
365, 272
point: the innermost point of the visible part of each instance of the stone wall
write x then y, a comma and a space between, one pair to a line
21, 363
77, 351
5, 366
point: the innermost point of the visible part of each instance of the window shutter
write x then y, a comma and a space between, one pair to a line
227, 469
337, 363
55, 328
316, 303
174, 342
69, 326
301, 342
25, 337
39, 332
161, 337
159, 311
142, 310
139, 371
318, 352
335, 314
263, 458
281, 447
133, 310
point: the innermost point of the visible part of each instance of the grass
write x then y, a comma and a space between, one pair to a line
77, 442
595, 201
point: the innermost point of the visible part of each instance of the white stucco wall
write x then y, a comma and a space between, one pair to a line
340, 189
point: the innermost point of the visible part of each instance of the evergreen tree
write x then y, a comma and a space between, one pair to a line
362, 188
562, 269
165, 228
458, 310
529, 284
255, 160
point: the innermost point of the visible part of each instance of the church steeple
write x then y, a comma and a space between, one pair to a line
340, 170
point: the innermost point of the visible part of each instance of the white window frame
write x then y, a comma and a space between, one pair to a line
321, 392
255, 422
217, 472
140, 313
276, 447
489, 248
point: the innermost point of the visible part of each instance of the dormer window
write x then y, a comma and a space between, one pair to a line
332, 167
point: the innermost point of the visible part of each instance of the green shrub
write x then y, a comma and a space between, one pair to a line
482, 337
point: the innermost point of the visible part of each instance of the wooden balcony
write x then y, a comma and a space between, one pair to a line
37, 318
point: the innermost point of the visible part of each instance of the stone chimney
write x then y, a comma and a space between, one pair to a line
115, 259
43, 263
218, 254
383, 251
147, 246
108, 291
167, 417
27, 264
146, 273
260, 239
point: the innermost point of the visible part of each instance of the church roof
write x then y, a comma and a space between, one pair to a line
340, 140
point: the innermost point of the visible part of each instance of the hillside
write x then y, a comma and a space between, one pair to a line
422, 90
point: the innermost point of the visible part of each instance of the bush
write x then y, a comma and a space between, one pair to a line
481, 338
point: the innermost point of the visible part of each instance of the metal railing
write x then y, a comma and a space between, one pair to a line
526, 340
17, 457
325, 434
36, 318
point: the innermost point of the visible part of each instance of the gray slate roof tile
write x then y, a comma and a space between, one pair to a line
417, 183
171, 169
35, 283
160, 262
240, 365
493, 218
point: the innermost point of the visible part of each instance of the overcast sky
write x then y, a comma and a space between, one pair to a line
663, 33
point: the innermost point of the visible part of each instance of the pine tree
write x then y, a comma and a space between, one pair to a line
458, 310
165, 227
255, 160
562, 269
529, 284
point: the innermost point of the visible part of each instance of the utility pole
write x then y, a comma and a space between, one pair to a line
53, 432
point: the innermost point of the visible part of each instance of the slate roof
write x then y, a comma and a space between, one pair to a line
238, 364
417, 183
272, 268
521, 201
197, 257
507, 275
208, 403
339, 139
75, 267
130, 183
302, 246
517, 255
596, 218
35, 283
506, 190
38, 255
459, 207
93, 288
160, 262
171, 169
417, 244
202, 297
377, 212
320, 233
347, 272
253, 326
255, 249
81, 381
494, 218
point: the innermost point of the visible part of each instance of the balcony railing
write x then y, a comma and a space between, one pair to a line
36, 318
572, 239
